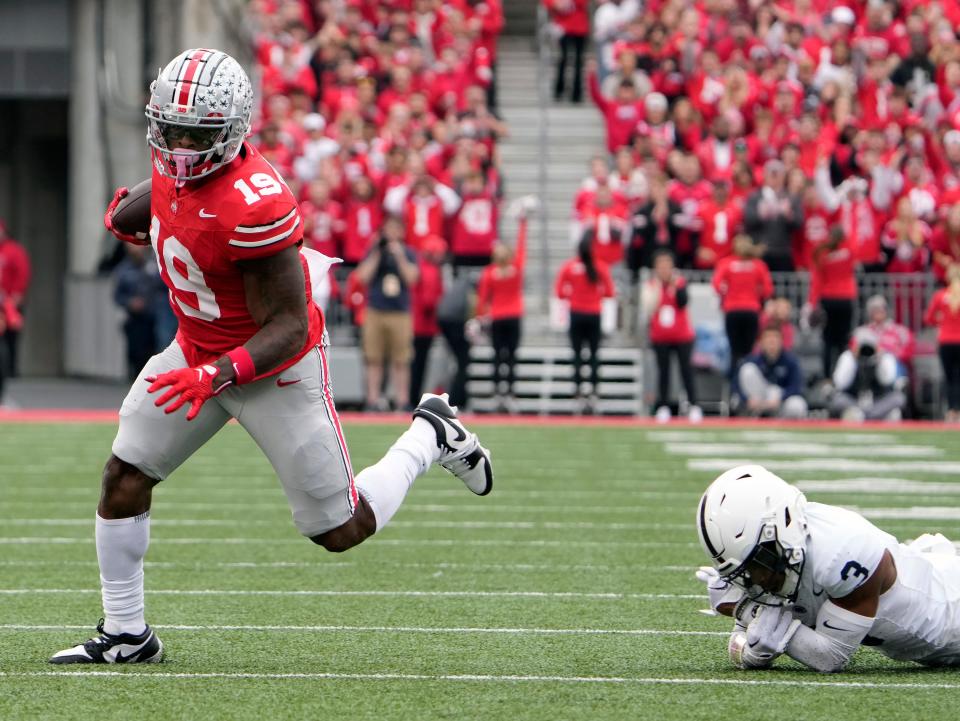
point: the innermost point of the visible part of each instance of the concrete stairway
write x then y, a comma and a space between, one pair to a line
561, 136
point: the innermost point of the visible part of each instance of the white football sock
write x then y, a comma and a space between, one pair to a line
121, 545
385, 484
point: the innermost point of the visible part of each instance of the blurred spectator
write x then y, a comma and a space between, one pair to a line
743, 282
772, 215
944, 312
605, 225
475, 226
425, 205
833, 292
389, 272
655, 227
500, 302
945, 243
363, 217
14, 284
621, 112
572, 23
584, 282
323, 221
140, 292
892, 337
689, 190
720, 218
770, 382
779, 312
425, 296
453, 313
866, 382
665, 300
610, 22
906, 240
624, 68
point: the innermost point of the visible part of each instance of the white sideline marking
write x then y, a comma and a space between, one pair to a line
320, 565
398, 629
802, 450
485, 678
200, 522
400, 594
880, 486
770, 436
830, 464
936, 513
536, 543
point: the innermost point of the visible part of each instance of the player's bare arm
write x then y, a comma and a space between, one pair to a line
276, 299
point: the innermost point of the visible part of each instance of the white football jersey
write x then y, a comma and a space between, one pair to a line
918, 618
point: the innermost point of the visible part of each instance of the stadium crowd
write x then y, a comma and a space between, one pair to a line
742, 139
750, 137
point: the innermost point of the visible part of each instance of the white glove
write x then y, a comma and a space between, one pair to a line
770, 631
721, 592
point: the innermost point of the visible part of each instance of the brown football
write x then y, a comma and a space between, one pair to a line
132, 215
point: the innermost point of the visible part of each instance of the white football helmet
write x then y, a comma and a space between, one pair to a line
203, 94
750, 517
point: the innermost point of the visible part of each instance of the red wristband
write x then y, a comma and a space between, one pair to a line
242, 365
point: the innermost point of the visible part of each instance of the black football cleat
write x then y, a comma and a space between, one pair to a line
109, 648
460, 451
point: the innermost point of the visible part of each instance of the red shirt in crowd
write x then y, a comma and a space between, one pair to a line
323, 226
720, 223
943, 244
362, 222
570, 15
424, 297
500, 291
621, 118
947, 319
14, 268
670, 323
743, 283
475, 228
574, 285
833, 274
609, 226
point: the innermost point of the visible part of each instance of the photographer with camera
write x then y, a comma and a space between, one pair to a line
389, 272
866, 381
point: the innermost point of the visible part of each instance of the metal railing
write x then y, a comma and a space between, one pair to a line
545, 50
907, 294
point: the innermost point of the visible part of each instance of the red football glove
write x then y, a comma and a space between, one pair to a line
118, 195
187, 385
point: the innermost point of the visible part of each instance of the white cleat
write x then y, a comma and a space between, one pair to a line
110, 648
460, 451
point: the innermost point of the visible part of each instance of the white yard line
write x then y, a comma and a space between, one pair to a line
201, 522
801, 450
323, 564
933, 513
388, 594
840, 464
536, 543
397, 629
618, 680
771, 436
872, 485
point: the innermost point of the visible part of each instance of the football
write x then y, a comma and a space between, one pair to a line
132, 215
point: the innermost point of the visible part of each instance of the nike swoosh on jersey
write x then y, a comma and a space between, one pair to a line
282, 383
204, 214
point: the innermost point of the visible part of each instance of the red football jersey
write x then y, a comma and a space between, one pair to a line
199, 233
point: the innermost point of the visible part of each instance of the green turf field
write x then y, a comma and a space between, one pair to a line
567, 593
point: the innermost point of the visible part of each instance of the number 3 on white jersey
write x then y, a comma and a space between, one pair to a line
193, 296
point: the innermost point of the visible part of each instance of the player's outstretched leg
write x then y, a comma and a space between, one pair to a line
436, 435
460, 450
122, 535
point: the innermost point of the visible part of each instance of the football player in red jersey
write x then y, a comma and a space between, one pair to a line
226, 231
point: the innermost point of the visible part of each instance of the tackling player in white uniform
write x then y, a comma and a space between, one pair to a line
815, 581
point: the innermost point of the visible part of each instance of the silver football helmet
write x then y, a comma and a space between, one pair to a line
205, 96
753, 526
